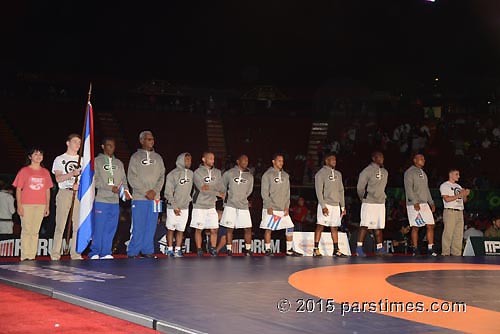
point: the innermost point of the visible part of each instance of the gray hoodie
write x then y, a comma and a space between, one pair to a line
205, 199
275, 189
329, 187
146, 171
371, 184
417, 187
239, 185
107, 168
179, 185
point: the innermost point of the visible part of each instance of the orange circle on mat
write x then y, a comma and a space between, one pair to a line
367, 283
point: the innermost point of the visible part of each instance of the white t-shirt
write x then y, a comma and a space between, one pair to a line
66, 164
451, 189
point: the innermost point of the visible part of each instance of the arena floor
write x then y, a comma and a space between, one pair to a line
278, 294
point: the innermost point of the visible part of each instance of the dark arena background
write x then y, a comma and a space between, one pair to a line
302, 79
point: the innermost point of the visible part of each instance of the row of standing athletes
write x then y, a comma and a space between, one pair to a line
146, 177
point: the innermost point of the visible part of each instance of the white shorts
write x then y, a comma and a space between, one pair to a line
204, 219
425, 218
373, 216
276, 221
177, 223
236, 218
334, 217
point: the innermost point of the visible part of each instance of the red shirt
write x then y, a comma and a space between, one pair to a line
33, 184
299, 213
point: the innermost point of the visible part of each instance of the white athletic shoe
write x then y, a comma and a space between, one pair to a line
107, 257
95, 257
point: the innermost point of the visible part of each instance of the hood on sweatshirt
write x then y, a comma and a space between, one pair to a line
180, 162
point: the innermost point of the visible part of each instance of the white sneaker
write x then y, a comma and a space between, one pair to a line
95, 257
107, 257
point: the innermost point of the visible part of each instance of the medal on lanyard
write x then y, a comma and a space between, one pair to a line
111, 180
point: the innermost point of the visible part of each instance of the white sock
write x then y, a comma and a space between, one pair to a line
170, 248
229, 247
379, 246
429, 246
248, 246
267, 246
359, 244
177, 248
289, 245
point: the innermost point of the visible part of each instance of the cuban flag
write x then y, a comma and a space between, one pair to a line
274, 222
86, 190
122, 192
419, 220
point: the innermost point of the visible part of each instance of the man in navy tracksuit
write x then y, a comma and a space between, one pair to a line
146, 175
109, 176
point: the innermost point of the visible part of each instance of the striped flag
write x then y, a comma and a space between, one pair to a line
122, 192
419, 220
86, 190
274, 222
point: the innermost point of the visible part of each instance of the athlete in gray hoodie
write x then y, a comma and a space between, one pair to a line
109, 178
207, 187
238, 184
178, 187
146, 176
419, 199
331, 204
371, 191
275, 191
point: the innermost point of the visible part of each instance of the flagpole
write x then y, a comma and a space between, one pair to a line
80, 152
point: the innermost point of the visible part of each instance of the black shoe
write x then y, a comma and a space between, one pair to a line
212, 251
338, 253
199, 252
432, 252
229, 252
150, 256
292, 252
268, 252
414, 251
247, 252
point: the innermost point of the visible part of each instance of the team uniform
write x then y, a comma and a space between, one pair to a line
109, 172
371, 191
178, 187
453, 219
330, 193
65, 163
146, 172
417, 192
275, 191
204, 215
239, 185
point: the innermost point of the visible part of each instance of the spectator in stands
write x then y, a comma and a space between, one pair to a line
494, 230
146, 176
33, 183
496, 134
472, 231
486, 143
66, 169
299, 211
7, 209
335, 146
